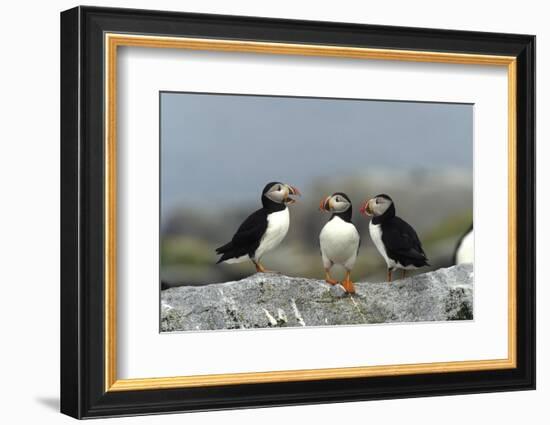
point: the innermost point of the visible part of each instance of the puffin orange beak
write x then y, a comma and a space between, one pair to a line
323, 205
365, 208
292, 191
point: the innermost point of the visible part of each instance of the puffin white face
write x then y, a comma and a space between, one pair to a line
336, 203
376, 206
281, 193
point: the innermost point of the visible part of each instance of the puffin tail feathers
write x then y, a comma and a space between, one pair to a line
224, 248
221, 260
226, 252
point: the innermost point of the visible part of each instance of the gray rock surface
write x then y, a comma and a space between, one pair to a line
276, 300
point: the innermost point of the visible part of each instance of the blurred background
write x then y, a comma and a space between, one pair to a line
218, 152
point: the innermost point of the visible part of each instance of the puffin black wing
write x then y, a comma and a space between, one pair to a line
402, 243
247, 238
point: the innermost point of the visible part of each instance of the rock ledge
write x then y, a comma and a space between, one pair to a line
276, 300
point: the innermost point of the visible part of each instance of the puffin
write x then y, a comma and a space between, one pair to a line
339, 239
394, 238
263, 230
464, 251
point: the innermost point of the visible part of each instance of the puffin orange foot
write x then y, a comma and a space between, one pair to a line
329, 279
260, 268
348, 284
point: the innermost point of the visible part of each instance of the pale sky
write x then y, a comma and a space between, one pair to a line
224, 148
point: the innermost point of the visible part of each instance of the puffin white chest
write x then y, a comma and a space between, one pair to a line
277, 228
375, 231
465, 252
339, 241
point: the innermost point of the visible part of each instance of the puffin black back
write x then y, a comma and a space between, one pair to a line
263, 230
396, 240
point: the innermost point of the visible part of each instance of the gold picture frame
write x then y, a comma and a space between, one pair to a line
114, 41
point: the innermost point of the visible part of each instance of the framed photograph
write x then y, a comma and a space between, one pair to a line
261, 212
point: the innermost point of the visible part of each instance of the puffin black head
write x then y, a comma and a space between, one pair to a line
379, 206
276, 194
338, 203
